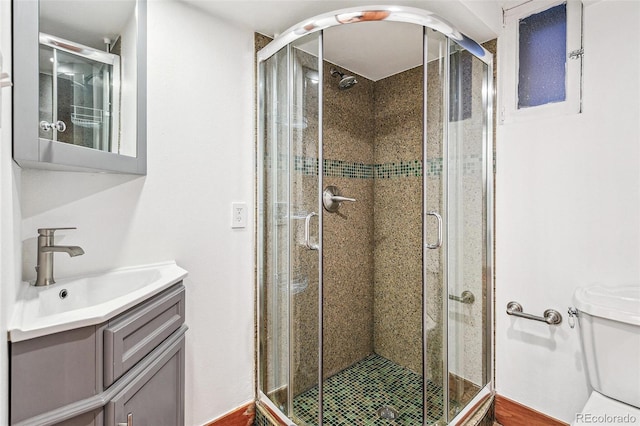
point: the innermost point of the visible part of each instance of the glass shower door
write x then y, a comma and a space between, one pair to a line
435, 240
273, 232
288, 238
468, 279
305, 213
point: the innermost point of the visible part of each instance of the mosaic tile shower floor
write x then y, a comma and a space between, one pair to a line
353, 396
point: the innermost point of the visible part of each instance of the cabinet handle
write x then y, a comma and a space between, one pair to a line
129, 421
58, 125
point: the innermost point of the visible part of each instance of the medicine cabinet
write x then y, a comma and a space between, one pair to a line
80, 85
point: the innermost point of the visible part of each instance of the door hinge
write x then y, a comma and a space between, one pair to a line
575, 54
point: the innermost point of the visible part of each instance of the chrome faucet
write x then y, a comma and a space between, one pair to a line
46, 248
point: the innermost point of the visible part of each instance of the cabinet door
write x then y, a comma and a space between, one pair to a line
155, 397
50, 372
92, 418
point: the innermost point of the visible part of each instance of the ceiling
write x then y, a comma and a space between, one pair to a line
375, 49
86, 22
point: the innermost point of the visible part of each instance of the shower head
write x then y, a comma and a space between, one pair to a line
346, 81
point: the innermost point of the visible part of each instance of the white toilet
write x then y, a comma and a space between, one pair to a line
609, 323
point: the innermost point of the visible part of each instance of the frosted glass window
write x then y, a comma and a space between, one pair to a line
542, 57
460, 86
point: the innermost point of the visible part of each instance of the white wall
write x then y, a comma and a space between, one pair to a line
200, 159
9, 212
568, 214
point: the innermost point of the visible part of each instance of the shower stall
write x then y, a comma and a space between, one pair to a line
374, 236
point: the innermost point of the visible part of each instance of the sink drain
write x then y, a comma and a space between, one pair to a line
388, 413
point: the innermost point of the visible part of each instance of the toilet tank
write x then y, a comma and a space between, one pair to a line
609, 323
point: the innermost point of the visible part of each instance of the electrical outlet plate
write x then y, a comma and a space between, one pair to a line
239, 215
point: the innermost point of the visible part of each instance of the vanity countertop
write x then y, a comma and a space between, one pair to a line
87, 300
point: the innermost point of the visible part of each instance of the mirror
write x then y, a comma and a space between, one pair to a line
80, 85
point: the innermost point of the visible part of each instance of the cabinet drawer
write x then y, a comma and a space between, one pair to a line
133, 335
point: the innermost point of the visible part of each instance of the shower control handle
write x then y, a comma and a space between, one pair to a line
340, 198
439, 242
331, 199
307, 232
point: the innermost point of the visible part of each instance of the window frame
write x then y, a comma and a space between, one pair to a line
509, 111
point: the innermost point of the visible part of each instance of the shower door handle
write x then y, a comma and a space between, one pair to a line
439, 242
307, 232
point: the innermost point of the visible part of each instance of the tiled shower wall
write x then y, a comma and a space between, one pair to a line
398, 218
348, 137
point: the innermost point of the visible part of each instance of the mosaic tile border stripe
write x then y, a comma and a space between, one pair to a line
308, 166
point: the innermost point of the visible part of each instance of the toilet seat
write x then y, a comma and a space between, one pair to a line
602, 411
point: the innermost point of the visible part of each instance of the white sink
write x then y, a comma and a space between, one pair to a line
87, 300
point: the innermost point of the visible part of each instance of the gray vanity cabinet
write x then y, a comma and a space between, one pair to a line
131, 366
155, 397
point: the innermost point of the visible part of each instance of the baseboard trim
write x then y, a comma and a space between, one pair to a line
512, 413
508, 413
241, 416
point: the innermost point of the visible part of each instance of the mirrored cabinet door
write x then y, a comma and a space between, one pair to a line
80, 86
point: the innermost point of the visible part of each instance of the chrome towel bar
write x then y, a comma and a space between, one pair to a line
550, 316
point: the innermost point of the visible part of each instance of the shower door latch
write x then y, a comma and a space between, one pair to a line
307, 232
439, 242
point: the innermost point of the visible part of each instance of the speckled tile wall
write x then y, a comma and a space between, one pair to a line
348, 235
398, 219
